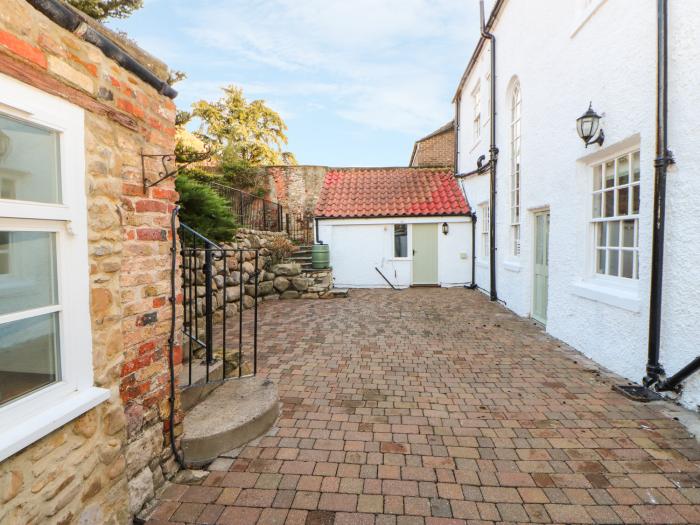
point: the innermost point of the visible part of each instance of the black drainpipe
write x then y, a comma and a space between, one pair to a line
71, 21
493, 158
664, 157
456, 128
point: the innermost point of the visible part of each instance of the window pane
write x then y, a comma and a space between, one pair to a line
614, 233
613, 259
609, 174
600, 234
29, 351
597, 177
597, 203
623, 170
623, 201
627, 263
600, 266
609, 197
29, 162
635, 166
628, 234
400, 240
635, 199
30, 279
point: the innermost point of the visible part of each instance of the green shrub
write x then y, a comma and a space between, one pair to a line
204, 210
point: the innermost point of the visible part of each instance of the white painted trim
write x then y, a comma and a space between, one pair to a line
625, 297
395, 220
584, 15
512, 266
30, 428
46, 409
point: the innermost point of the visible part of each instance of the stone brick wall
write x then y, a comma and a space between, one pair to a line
435, 151
296, 187
102, 467
286, 280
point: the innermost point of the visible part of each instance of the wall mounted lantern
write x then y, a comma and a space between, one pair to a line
587, 126
445, 228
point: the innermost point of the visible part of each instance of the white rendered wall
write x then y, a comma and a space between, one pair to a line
358, 245
564, 59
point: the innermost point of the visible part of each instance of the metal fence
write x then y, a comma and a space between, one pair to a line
220, 321
256, 213
250, 210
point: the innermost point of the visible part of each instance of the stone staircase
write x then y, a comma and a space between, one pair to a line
303, 257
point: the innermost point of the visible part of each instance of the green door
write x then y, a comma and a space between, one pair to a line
540, 285
425, 256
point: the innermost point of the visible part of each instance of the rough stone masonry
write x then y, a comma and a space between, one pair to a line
103, 466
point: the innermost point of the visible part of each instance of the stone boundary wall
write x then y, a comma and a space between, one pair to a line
297, 188
103, 466
285, 280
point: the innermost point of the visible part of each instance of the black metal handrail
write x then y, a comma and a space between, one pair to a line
202, 260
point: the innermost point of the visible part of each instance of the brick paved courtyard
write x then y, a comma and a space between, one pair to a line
436, 407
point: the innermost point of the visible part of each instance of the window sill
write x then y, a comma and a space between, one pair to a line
512, 266
625, 297
23, 433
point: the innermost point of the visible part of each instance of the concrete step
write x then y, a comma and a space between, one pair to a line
340, 292
235, 413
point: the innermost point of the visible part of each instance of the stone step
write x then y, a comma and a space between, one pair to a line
232, 415
339, 292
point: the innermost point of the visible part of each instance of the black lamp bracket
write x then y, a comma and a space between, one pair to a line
167, 159
598, 140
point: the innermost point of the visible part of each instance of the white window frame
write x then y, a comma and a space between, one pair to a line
29, 418
476, 104
515, 167
593, 248
393, 242
485, 211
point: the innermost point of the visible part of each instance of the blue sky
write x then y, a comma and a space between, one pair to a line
357, 81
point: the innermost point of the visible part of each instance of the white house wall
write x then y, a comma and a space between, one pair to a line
358, 245
562, 64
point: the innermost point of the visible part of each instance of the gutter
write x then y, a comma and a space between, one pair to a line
68, 19
655, 374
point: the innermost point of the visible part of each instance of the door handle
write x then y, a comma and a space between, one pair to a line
414, 252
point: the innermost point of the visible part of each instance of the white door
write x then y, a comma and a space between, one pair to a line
355, 252
540, 287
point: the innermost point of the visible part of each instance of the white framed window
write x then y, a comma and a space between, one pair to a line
400, 240
485, 228
515, 112
476, 104
615, 217
46, 376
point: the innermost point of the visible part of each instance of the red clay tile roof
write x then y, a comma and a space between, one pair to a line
390, 192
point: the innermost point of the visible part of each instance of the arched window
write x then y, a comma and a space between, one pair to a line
515, 108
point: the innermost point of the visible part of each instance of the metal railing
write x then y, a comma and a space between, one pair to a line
250, 210
257, 213
220, 321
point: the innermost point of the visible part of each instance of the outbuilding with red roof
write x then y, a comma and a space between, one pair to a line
395, 226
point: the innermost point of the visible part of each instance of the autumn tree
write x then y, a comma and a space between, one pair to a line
101, 9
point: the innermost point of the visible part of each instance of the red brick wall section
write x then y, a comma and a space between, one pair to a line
437, 151
104, 466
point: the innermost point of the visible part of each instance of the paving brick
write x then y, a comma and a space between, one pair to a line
454, 418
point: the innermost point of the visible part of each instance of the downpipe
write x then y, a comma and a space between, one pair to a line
493, 159
171, 338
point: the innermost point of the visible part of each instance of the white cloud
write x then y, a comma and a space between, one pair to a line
381, 63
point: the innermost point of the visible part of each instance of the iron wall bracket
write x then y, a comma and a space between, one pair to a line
167, 159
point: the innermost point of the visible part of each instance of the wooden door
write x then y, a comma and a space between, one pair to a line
541, 268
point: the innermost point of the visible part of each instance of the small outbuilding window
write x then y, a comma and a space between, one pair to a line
400, 240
